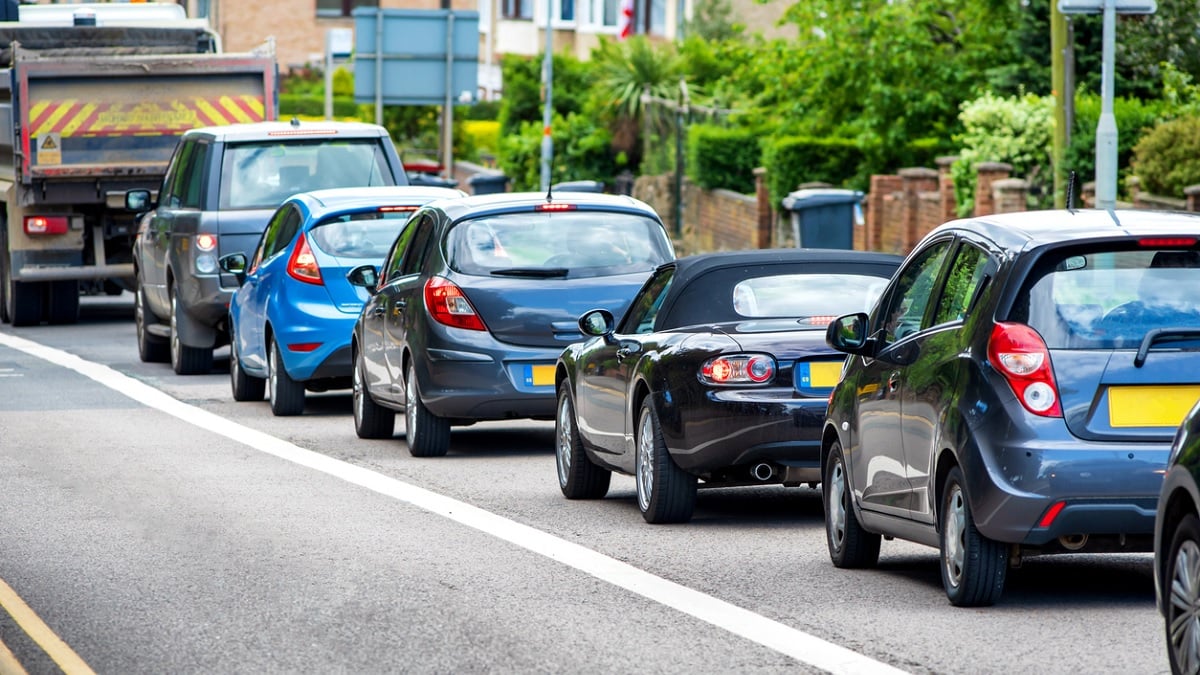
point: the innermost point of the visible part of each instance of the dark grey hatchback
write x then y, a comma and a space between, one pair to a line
477, 299
1015, 392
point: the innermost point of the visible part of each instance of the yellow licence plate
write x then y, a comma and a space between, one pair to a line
825, 373
539, 375
1150, 406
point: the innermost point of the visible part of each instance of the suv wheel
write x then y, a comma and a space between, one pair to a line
184, 359
371, 420
151, 348
850, 546
578, 477
1181, 597
973, 566
287, 395
665, 493
427, 434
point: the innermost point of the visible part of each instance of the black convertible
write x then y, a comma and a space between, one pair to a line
718, 372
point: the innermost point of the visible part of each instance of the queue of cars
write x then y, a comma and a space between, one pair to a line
1018, 385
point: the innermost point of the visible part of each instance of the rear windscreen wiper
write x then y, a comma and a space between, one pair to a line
538, 272
1162, 335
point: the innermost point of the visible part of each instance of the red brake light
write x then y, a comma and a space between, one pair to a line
1167, 242
1018, 353
738, 369
554, 207
302, 266
303, 132
303, 346
46, 224
206, 242
396, 209
1051, 513
447, 305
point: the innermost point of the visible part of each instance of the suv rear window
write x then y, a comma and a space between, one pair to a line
573, 243
261, 175
1106, 299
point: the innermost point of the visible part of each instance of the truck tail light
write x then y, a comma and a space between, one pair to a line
46, 225
1018, 353
302, 266
447, 305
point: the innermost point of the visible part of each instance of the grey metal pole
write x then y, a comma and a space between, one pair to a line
328, 74
548, 83
1106, 129
448, 106
379, 66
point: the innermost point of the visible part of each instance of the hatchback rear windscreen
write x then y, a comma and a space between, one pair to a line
359, 235
1106, 299
559, 243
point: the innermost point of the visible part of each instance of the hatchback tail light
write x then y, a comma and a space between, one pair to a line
738, 369
1019, 354
302, 266
449, 306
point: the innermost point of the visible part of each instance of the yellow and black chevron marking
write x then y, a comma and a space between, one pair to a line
75, 118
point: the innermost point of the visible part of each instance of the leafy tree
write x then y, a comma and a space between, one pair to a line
523, 100
1167, 158
1015, 130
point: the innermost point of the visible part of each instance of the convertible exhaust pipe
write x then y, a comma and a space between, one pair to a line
762, 471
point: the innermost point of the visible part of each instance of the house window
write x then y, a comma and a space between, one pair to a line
518, 9
606, 12
340, 8
566, 10
650, 17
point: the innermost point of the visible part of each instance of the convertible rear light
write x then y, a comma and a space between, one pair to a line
302, 266
449, 306
738, 369
554, 207
46, 224
1018, 353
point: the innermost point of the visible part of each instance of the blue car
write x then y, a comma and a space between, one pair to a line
291, 319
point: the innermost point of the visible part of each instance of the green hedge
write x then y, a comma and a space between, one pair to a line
722, 158
793, 160
1167, 158
314, 106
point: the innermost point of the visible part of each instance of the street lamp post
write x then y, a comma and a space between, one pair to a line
548, 83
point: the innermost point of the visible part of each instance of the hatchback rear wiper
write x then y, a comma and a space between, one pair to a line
538, 272
1160, 335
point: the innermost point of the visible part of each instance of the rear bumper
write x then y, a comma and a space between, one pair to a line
474, 385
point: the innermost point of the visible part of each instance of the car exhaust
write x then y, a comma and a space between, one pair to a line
762, 471
1073, 542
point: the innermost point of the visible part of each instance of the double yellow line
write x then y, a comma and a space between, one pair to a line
39, 632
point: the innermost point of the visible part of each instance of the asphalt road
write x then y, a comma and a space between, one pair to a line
155, 525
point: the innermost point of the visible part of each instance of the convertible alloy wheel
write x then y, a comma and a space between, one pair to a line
1183, 598
427, 434
666, 493
850, 546
973, 566
371, 420
578, 476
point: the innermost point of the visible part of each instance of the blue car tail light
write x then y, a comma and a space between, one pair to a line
302, 265
738, 369
1018, 353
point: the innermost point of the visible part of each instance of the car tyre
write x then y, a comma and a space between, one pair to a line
63, 302
665, 493
245, 387
371, 420
287, 395
1181, 597
427, 434
186, 360
151, 348
973, 566
850, 546
578, 476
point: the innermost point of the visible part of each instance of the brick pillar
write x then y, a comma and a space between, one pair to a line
1010, 195
915, 180
1088, 198
764, 214
1192, 192
929, 213
882, 186
988, 173
949, 205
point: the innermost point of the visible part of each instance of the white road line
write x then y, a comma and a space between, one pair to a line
769, 633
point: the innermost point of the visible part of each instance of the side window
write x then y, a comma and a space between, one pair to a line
175, 180
419, 249
961, 283
189, 186
910, 296
391, 268
280, 231
644, 309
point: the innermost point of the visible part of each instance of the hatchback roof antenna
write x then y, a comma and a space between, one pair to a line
295, 121
549, 197
1072, 185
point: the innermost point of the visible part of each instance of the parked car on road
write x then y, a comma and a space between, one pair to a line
291, 318
477, 299
718, 372
1015, 392
1177, 548
221, 186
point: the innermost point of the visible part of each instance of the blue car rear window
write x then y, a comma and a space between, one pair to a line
1111, 299
359, 235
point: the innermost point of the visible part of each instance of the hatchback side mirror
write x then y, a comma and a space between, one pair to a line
235, 264
848, 333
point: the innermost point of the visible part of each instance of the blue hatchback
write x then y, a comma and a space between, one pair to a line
291, 319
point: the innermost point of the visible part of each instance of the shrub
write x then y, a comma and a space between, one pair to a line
1167, 158
313, 106
484, 135
793, 160
719, 157
582, 151
1017, 130
1134, 118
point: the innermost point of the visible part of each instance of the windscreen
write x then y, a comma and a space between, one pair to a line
261, 175
1105, 299
359, 235
559, 243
